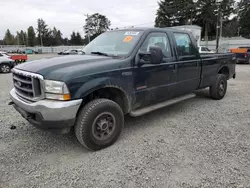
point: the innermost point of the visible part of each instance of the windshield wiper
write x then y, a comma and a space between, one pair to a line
100, 53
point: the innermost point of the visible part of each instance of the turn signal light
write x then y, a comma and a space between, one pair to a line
66, 97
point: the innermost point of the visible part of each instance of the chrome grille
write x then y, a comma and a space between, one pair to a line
27, 85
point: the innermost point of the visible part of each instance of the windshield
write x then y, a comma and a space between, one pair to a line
114, 43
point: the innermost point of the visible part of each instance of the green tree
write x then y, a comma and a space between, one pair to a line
9, 39
76, 39
66, 41
176, 12
57, 37
203, 13
21, 38
32, 41
96, 24
230, 28
244, 17
44, 33
73, 38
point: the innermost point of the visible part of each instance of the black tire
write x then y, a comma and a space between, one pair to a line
5, 68
91, 134
219, 88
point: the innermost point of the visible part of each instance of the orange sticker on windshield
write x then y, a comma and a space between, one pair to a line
128, 39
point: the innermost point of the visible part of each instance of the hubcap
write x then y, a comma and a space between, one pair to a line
103, 126
222, 87
5, 68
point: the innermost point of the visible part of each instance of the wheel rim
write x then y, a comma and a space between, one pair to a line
5, 68
103, 126
222, 87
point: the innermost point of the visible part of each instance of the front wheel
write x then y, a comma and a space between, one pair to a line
5, 68
219, 88
99, 124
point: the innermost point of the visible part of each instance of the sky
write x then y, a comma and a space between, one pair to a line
69, 15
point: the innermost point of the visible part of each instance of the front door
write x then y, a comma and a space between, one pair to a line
155, 82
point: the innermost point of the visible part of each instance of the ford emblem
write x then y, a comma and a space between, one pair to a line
19, 84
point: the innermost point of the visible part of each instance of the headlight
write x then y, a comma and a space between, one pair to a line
56, 90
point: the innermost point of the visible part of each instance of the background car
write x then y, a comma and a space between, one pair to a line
5, 54
6, 64
205, 50
242, 54
70, 52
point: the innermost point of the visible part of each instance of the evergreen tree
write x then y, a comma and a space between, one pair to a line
32, 41
244, 18
9, 39
203, 13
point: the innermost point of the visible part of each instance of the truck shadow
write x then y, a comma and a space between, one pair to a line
152, 118
204, 93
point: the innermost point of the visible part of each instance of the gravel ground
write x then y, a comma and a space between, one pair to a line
197, 143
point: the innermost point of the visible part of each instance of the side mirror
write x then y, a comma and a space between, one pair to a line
154, 56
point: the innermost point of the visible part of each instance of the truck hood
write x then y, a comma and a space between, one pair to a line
56, 68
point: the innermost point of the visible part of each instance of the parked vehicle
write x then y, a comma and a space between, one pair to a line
6, 64
5, 54
242, 54
19, 58
70, 52
30, 51
121, 72
205, 50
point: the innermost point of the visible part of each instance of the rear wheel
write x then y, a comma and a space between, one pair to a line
99, 124
5, 68
219, 88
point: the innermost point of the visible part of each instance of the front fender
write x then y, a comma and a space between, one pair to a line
91, 86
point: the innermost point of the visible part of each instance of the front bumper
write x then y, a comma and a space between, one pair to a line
47, 114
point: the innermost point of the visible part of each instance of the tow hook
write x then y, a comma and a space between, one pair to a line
11, 103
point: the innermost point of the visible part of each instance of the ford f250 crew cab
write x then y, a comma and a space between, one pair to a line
131, 71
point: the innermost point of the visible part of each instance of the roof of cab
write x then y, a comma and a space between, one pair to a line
151, 29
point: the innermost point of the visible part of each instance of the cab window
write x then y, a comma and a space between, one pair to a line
184, 44
160, 40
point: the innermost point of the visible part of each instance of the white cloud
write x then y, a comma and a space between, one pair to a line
68, 15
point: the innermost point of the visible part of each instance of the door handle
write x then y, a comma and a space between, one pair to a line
171, 66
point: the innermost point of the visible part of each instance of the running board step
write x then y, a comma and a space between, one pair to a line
148, 109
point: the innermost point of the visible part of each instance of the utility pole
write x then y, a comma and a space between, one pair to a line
221, 25
218, 25
41, 39
18, 40
87, 28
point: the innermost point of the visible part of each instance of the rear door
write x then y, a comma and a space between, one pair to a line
189, 63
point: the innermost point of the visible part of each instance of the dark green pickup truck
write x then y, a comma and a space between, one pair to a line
130, 71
